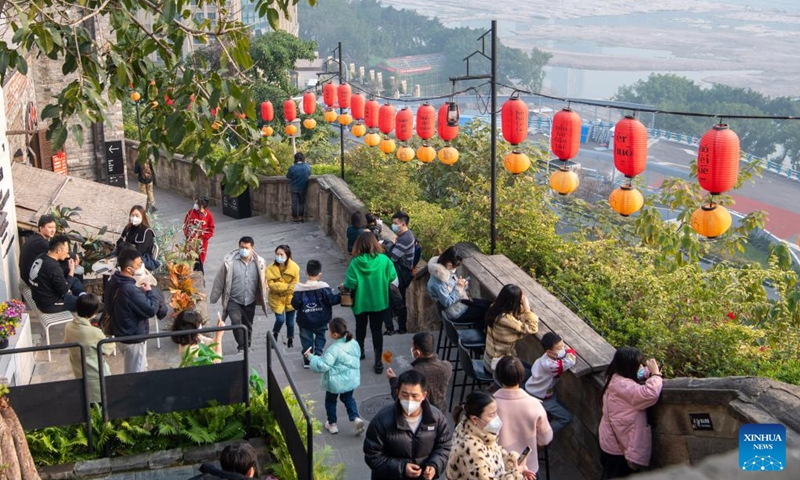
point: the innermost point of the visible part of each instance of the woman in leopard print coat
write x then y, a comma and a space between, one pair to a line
476, 455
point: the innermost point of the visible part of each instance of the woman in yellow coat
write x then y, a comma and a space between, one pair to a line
282, 276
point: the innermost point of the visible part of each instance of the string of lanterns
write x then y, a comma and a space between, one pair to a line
718, 156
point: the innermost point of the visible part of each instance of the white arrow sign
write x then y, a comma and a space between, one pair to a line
111, 149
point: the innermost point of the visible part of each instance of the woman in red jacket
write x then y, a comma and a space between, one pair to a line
198, 226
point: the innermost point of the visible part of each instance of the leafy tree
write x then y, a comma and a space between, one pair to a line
147, 57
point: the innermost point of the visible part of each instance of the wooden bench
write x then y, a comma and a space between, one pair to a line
46, 319
593, 351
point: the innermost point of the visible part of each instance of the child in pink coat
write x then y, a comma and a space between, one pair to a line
625, 438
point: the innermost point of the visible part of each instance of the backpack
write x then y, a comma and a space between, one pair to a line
146, 172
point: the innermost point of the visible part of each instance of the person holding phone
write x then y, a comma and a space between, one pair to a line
508, 319
450, 291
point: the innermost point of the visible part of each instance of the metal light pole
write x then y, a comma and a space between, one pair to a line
492, 77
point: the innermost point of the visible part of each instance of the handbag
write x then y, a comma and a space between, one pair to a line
347, 297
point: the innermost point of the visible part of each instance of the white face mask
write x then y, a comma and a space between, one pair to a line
244, 252
561, 353
135, 221
410, 406
494, 426
196, 206
140, 272
412, 353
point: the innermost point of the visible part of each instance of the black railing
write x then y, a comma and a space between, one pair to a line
53, 404
302, 455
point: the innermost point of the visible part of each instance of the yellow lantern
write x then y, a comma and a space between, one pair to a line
267, 131
426, 153
626, 200
372, 139
448, 155
345, 119
564, 181
405, 154
516, 162
358, 130
387, 145
290, 130
330, 115
309, 123
136, 96
711, 220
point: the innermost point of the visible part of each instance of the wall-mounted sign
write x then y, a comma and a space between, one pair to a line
60, 162
701, 421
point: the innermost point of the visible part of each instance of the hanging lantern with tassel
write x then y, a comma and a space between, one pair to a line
630, 158
343, 95
357, 106
717, 171
514, 120
309, 103
565, 141
386, 119
329, 94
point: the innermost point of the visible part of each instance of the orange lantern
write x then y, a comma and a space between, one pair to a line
267, 112
289, 110
405, 154
329, 94
565, 139
514, 116
343, 95
404, 125
372, 139
426, 121
626, 200
345, 119
448, 155
358, 130
446, 132
564, 181
136, 96
711, 220
386, 119
267, 131
516, 162
387, 145
309, 123
330, 115
357, 106
426, 153
309, 103
371, 113
630, 146
290, 130
718, 159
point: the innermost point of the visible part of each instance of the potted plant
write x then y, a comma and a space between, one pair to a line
10, 316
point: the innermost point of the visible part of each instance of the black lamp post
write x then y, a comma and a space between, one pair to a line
340, 74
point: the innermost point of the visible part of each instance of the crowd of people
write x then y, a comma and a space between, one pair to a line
497, 432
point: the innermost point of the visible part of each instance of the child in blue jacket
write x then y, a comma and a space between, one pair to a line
340, 367
313, 302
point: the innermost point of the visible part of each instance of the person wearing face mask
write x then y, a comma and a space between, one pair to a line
138, 234
402, 254
437, 372
198, 227
241, 284
411, 437
282, 276
631, 388
130, 307
450, 291
546, 372
476, 455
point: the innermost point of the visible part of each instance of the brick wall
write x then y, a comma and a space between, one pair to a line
19, 90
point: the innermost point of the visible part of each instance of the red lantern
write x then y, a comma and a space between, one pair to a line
630, 146
309, 103
718, 159
515, 120
289, 110
565, 139
446, 132
267, 112
426, 121
343, 94
405, 124
357, 106
329, 94
386, 118
371, 110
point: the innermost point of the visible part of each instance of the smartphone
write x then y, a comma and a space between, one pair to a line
308, 350
524, 455
468, 278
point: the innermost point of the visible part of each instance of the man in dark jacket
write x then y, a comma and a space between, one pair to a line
130, 307
35, 245
237, 462
436, 372
50, 288
313, 301
410, 438
298, 183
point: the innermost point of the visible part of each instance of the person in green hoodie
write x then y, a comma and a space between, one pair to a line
368, 276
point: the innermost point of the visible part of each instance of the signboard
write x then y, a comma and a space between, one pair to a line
115, 163
60, 162
701, 421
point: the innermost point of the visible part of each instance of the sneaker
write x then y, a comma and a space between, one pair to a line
306, 363
360, 425
289, 343
331, 428
388, 333
378, 368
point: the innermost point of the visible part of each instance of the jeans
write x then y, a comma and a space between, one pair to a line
242, 315
558, 415
349, 404
286, 317
135, 357
298, 204
313, 337
374, 319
